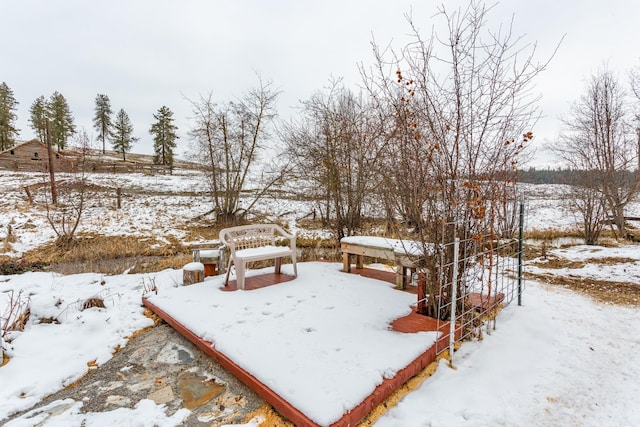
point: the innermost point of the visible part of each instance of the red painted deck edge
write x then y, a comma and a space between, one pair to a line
390, 385
281, 405
350, 418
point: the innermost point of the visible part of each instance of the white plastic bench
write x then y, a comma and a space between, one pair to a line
248, 243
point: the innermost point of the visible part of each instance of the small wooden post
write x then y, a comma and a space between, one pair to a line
192, 273
119, 197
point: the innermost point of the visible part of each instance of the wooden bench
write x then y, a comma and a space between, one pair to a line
248, 243
403, 253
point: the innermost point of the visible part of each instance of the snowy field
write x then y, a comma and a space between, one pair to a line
152, 205
147, 211
559, 359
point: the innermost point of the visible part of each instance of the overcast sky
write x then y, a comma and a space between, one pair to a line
145, 54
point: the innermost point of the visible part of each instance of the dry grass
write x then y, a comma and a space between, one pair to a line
196, 233
90, 247
557, 263
104, 254
549, 235
607, 237
176, 262
554, 262
270, 416
93, 302
157, 320
609, 292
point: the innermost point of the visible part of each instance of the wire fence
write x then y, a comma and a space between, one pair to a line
484, 275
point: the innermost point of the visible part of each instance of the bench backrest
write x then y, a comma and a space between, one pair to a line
252, 236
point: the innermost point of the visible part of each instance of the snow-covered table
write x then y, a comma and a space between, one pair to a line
403, 253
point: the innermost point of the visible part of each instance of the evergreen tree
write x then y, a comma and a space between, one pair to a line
164, 136
102, 120
61, 125
39, 117
122, 134
8, 106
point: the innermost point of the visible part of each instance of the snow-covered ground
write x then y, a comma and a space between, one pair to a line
152, 205
560, 359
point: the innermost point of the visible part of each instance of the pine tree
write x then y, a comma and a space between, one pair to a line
102, 120
122, 134
8, 106
61, 125
164, 136
39, 117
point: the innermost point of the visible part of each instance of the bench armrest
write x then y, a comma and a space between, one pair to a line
286, 235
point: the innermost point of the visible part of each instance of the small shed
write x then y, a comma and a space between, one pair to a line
33, 156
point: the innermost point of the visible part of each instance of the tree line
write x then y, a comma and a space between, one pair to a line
54, 113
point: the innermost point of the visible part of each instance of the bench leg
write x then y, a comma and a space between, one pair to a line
278, 265
293, 261
226, 280
240, 274
359, 261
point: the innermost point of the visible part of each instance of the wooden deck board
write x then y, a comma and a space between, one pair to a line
259, 281
411, 323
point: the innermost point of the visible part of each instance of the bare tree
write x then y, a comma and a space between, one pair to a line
337, 145
588, 202
598, 137
229, 140
463, 107
72, 194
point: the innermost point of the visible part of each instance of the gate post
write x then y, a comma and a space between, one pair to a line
520, 239
454, 296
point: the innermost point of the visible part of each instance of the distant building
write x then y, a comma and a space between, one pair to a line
33, 156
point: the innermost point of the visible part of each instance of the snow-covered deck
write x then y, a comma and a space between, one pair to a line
323, 349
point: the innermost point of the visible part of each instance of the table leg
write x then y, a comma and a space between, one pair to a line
346, 262
400, 277
422, 293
